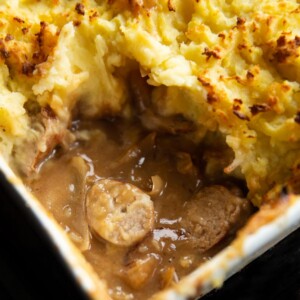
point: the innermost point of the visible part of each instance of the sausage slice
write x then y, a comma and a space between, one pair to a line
120, 213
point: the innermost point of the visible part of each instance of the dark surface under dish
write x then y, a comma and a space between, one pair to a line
30, 268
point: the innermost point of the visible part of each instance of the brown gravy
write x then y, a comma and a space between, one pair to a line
127, 153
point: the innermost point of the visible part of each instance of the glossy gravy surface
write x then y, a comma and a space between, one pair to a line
166, 167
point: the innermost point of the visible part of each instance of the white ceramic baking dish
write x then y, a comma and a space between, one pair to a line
267, 227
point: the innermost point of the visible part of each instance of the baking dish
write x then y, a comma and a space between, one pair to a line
267, 227
184, 71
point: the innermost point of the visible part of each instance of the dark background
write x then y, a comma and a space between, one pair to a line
274, 275
31, 269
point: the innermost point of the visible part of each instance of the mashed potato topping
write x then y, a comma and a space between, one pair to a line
227, 66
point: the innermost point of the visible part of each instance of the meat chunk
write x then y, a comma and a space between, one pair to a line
211, 214
47, 133
120, 213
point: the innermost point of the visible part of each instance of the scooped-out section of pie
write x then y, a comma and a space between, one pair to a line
145, 207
